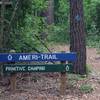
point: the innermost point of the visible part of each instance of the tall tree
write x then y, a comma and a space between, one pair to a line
50, 17
77, 35
2, 23
56, 7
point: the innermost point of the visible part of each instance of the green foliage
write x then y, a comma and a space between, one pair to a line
88, 69
98, 17
26, 24
25, 41
75, 77
61, 11
87, 15
58, 34
93, 40
92, 9
59, 31
39, 5
98, 50
86, 88
90, 15
30, 20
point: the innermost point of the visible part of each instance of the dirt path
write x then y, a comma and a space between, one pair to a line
93, 61
46, 86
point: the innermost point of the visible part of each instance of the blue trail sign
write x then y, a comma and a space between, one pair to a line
20, 57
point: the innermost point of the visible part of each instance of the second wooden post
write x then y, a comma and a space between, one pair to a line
63, 79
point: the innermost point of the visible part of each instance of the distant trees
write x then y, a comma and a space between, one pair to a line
50, 16
98, 17
23, 22
2, 23
35, 17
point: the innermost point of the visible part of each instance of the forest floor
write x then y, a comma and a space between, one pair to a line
45, 86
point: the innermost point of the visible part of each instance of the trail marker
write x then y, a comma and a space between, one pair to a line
20, 57
12, 68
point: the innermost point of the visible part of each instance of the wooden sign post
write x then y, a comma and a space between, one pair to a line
63, 79
13, 76
13, 82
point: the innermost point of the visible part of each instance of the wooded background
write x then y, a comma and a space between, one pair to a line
24, 23
48, 19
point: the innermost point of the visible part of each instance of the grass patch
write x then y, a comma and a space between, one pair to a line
86, 88
98, 50
93, 41
75, 77
88, 69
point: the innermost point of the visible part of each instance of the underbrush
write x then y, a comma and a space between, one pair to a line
86, 88
93, 41
80, 82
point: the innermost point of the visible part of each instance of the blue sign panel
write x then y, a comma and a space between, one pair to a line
19, 57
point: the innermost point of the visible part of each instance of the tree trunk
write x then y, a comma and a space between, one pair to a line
77, 35
50, 16
2, 32
56, 8
2, 24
